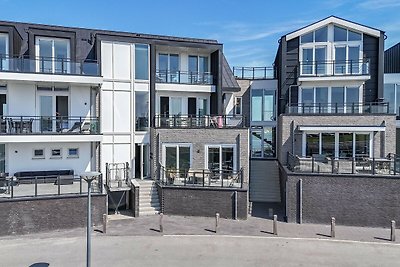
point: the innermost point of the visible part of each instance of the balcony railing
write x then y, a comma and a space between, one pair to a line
334, 68
48, 65
254, 73
389, 165
338, 108
25, 125
206, 121
200, 177
184, 77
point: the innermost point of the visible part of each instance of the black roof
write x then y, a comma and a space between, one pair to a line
229, 82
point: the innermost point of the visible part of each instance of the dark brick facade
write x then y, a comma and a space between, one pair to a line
204, 201
352, 199
25, 216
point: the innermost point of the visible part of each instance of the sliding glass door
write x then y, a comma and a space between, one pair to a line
177, 157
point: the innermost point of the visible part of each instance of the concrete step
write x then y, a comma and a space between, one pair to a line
147, 213
149, 205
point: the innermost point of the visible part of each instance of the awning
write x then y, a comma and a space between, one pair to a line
334, 128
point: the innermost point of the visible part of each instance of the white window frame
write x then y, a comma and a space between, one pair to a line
148, 63
52, 39
176, 145
38, 157
73, 156
220, 146
6, 60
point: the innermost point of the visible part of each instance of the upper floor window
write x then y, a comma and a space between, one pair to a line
391, 93
198, 64
262, 105
343, 35
238, 105
3, 51
141, 62
53, 55
320, 35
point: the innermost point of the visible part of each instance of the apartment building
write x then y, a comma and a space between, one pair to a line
136, 107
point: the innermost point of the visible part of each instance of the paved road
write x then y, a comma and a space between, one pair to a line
196, 251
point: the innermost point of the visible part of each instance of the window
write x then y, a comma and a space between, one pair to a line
340, 34
38, 154
53, 55
308, 61
354, 36
141, 110
263, 142
221, 157
3, 51
177, 157
168, 68
319, 35
56, 153
198, 66
312, 144
141, 62
307, 38
238, 105
263, 105
73, 153
391, 94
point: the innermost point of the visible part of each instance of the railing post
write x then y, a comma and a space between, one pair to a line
203, 178
352, 165
59, 184
179, 76
20, 125
393, 231
373, 165
80, 124
216, 222
80, 184
35, 186
333, 226
12, 186
253, 73
394, 165
312, 163
242, 72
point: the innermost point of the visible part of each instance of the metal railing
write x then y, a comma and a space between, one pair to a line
117, 174
206, 121
389, 165
15, 125
38, 186
334, 68
338, 108
184, 77
254, 73
200, 177
48, 65
142, 123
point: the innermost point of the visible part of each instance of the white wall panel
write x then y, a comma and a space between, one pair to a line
124, 139
122, 61
122, 114
106, 156
21, 99
107, 111
80, 101
122, 153
106, 60
20, 157
118, 86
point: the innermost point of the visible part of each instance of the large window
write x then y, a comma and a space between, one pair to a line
391, 94
141, 62
319, 35
221, 157
262, 105
53, 55
168, 67
263, 142
141, 110
338, 145
342, 35
177, 157
3, 51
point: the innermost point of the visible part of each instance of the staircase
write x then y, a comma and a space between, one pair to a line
264, 181
149, 203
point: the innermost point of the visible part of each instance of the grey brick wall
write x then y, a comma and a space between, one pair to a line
245, 94
25, 216
352, 199
204, 202
384, 143
199, 138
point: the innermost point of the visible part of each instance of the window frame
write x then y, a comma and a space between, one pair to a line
148, 62
73, 156
43, 156
240, 98
56, 156
220, 146
177, 146
53, 58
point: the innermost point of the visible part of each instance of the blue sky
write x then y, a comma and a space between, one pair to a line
248, 29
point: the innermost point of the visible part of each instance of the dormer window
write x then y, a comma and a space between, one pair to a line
53, 55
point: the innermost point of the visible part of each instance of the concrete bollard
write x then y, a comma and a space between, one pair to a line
333, 225
275, 225
216, 222
161, 222
105, 221
393, 231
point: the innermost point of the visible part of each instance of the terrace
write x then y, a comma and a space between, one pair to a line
193, 121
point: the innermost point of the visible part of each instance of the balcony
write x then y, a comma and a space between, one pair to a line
352, 69
48, 65
193, 122
338, 108
254, 73
184, 77
322, 164
48, 125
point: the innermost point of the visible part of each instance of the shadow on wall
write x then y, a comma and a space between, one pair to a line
40, 264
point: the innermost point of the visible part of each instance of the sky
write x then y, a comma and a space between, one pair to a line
249, 29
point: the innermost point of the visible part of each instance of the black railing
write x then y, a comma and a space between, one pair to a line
184, 77
39, 186
200, 177
15, 125
338, 108
48, 65
254, 73
206, 121
334, 68
389, 165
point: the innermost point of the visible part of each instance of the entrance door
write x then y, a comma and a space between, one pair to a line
192, 106
53, 112
141, 161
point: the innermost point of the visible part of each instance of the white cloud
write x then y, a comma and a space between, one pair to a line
379, 4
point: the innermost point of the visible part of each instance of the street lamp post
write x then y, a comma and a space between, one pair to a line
89, 177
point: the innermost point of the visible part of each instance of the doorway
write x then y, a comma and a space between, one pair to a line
141, 161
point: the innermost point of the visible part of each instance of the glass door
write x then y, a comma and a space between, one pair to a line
53, 110
46, 113
141, 161
53, 55
4, 52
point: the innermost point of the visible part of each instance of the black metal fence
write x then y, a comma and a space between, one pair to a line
389, 165
254, 73
184, 77
334, 68
200, 177
206, 121
338, 108
49, 65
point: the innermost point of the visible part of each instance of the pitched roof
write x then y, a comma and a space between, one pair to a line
229, 82
338, 21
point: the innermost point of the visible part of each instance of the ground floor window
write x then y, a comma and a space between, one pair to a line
338, 145
177, 156
263, 142
221, 157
